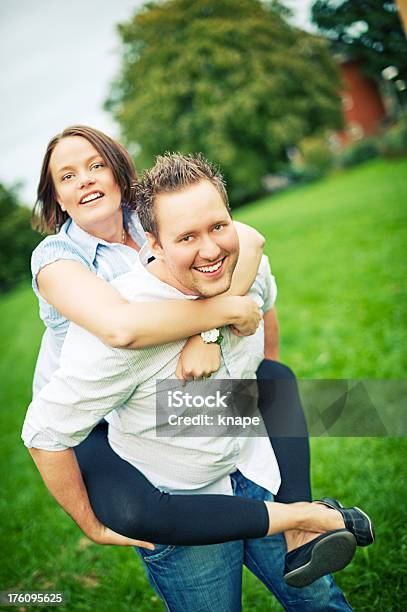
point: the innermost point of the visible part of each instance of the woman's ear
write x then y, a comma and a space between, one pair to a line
155, 246
61, 206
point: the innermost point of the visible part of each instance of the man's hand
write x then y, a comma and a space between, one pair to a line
197, 359
104, 535
249, 316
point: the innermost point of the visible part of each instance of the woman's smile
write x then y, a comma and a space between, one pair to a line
91, 197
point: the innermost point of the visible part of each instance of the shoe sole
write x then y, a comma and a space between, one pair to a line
329, 555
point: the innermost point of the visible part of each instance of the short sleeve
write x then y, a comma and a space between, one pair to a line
52, 249
270, 285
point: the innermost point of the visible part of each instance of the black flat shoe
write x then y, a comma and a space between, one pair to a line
329, 552
356, 521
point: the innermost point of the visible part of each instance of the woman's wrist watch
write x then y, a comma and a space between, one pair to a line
213, 336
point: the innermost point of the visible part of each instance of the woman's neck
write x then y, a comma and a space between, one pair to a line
110, 230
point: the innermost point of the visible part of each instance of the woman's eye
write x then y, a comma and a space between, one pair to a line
186, 239
66, 177
97, 166
218, 227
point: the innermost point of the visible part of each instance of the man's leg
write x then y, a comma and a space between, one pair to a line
264, 557
196, 578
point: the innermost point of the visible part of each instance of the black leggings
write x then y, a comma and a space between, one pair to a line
124, 500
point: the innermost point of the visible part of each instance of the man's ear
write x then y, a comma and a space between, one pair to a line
155, 246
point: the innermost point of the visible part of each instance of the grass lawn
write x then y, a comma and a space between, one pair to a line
336, 248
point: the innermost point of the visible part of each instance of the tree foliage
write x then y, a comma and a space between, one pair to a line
370, 29
228, 78
17, 240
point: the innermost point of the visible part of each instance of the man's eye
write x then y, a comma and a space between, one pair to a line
186, 239
218, 227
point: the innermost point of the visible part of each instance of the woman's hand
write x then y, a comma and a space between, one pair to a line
197, 359
104, 535
248, 317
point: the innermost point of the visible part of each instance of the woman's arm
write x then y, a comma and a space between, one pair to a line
82, 297
251, 244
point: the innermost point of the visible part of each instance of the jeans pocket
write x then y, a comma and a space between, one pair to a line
160, 552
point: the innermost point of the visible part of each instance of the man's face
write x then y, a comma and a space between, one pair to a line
198, 241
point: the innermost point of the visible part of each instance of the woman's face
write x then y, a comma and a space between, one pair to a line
84, 184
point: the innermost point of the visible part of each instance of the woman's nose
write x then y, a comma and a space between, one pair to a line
86, 179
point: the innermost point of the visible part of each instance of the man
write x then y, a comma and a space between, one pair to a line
183, 207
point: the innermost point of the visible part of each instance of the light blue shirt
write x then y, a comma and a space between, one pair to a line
105, 259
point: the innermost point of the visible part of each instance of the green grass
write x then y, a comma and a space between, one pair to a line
336, 248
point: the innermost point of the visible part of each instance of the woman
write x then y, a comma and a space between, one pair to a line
86, 185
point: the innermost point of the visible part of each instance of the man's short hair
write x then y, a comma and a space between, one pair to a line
174, 172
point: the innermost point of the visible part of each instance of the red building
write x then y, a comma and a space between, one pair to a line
363, 106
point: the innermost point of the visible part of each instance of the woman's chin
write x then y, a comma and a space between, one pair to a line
95, 215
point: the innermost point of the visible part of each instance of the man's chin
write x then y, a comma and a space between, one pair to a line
210, 287
207, 289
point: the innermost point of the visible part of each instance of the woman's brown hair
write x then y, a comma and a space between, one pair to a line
47, 214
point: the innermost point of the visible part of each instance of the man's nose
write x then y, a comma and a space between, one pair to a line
209, 249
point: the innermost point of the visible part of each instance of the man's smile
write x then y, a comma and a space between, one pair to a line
212, 270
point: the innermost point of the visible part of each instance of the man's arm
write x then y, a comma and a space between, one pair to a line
271, 335
93, 380
61, 474
269, 294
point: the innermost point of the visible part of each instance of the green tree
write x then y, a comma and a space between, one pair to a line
228, 78
17, 240
369, 29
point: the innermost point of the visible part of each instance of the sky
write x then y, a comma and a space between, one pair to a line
58, 61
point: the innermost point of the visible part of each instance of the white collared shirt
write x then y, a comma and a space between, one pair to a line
96, 381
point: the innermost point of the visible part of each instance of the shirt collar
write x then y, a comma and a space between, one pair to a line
143, 256
133, 226
85, 241
89, 243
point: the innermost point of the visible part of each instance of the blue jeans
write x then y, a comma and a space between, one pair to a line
209, 578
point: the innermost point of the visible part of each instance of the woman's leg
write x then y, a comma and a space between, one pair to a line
125, 501
280, 405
